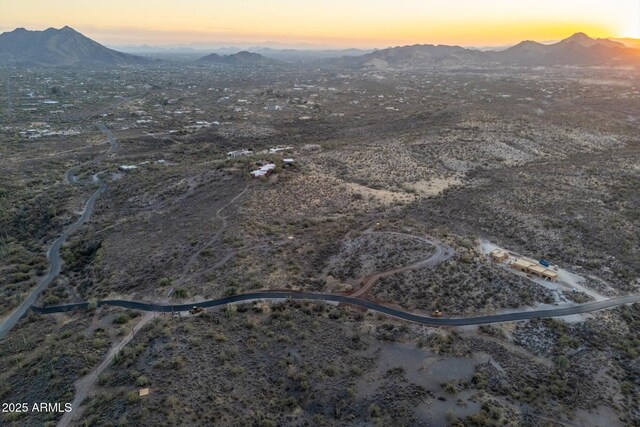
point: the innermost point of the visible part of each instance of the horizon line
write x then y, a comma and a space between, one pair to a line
295, 45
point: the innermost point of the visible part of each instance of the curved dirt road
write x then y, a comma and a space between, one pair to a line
442, 253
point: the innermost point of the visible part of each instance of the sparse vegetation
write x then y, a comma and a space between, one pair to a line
549, 171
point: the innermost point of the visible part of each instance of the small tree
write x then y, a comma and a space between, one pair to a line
180, 293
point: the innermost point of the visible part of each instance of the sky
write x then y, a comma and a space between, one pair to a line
326, 23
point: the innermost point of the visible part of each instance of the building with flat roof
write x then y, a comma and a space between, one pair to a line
258, 173
521, 265
499, 255
239, 153
264, 170
550, 275
536, 269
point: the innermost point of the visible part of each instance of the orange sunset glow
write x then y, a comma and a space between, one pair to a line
360, 23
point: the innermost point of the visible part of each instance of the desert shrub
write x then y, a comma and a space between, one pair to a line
121, 319
180, 293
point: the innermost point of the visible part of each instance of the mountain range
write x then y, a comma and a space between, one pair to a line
240, 58
577, 50
283, 54
66, 47
59, 47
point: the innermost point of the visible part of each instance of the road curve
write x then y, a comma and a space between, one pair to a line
441, 254
71, 177
358, 302
53, 254
110, 138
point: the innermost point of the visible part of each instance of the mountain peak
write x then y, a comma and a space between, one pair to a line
241, 58
58, 47
579, 37
247, 53
529, 43
583, 40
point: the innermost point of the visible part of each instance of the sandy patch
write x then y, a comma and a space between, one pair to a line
435, 186
382, 196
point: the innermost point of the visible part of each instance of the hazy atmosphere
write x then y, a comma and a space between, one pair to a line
330, 23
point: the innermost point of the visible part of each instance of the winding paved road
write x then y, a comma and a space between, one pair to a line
358, 302
442, 253
53, 254
71, 177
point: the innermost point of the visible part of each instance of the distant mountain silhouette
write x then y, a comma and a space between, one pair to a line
65, 46
628, 42
577, 50
586, 41
60, 47
416, 56
240, 58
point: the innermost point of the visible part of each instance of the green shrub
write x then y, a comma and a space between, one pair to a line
374, 411
99, 343
450, 388
121, 319
133, 397
180, 293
